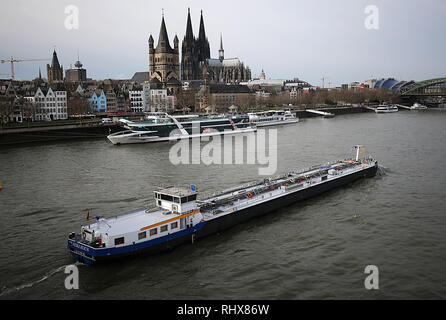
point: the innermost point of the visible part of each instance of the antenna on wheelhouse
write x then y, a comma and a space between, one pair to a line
359, 149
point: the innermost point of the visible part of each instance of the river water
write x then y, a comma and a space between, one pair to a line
317, 249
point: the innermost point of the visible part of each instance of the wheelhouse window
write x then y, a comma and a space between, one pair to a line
119, 241
142, 235
153, 232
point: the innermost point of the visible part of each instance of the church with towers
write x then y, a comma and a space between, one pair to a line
197, 64
165, 70
164, 61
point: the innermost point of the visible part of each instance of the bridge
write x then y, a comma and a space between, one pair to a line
430, 92
432, 87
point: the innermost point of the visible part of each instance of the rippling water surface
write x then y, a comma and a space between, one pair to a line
317, 249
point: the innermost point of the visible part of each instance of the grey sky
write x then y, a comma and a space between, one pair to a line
286, 38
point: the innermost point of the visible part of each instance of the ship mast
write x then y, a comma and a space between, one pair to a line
358, 150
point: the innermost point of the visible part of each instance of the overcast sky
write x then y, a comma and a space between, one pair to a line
286, 38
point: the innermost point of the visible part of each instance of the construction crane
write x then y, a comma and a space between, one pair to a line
323, 82
12, 61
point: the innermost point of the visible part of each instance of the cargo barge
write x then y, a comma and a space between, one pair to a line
179, 216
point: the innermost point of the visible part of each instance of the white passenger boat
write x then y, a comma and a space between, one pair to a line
417, 106
179, 216
164, 127
386, 109
273, 118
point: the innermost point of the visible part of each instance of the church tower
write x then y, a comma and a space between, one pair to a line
55, 71
188, 59
203, 51
164, 61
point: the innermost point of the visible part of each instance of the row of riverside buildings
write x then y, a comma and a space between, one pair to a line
196, 83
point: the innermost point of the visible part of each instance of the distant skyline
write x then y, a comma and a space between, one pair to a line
287, 39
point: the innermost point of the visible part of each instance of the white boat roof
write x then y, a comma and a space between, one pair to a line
130, 222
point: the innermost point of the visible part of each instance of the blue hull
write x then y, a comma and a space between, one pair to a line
89, 255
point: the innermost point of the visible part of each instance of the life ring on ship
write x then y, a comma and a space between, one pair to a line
250, 195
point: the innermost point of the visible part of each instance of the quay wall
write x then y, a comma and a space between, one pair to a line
56, 132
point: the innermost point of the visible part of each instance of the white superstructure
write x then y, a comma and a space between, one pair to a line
272, 118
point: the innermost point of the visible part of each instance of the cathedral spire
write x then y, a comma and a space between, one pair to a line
221, 52
202, 34
189, 31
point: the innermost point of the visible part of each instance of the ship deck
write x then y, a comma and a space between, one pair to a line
256, 193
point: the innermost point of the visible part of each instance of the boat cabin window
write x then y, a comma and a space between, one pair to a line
153, 231
189, 198
166, 197
174, 225
176, 199
142, 235
163, 229
119, 241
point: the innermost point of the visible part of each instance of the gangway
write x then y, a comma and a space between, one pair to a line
322, 113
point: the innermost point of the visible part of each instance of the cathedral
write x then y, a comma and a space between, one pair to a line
229, 71
164, 62
197, 64
194, 51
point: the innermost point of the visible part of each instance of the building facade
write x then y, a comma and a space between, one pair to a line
98, 101
51, 103
136, 99
78, 74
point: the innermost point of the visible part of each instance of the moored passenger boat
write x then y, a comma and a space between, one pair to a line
417, 106
386, 109
272, 118
179, 216
167, 128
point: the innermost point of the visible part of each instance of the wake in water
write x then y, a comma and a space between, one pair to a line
383, 171
6, 291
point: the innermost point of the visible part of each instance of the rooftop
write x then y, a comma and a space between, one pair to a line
177, 191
